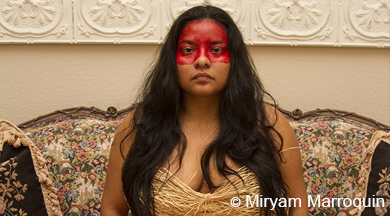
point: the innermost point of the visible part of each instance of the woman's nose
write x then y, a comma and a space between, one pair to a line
202, 61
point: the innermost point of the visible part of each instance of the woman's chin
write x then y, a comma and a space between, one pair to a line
204, 93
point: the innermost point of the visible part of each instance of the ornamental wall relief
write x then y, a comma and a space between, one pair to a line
120, 19
366, 20
294, 21
237, 9
35, 10
273, 22
35, 19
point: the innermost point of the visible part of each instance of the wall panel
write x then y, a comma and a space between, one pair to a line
262, 22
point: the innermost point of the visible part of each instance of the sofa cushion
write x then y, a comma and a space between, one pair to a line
76, 148
25, 187
374, 177
331, 150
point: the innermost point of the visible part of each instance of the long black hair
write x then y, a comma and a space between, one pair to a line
244, 135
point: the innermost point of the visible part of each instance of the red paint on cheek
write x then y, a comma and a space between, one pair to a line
202, 39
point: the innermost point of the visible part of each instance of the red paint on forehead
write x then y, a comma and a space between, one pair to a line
203, 37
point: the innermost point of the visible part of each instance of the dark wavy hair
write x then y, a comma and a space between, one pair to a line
244, 135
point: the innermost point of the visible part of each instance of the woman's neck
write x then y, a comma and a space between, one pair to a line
202, 110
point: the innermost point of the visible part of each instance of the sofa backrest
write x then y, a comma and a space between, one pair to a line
76, 148
76, 145
331, 151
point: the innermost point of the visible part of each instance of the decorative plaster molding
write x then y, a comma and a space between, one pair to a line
294, 11
35, 20
274, 22
295, 22
366, 23
237, 9
233, 7
116, 20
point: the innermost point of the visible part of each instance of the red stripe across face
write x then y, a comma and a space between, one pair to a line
202, 39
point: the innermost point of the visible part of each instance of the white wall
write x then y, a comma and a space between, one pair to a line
38, 79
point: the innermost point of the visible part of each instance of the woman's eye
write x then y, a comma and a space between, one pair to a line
186, 50
217, 50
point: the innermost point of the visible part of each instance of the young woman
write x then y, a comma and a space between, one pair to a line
201, 135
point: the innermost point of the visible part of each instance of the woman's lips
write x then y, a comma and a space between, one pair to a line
202, 76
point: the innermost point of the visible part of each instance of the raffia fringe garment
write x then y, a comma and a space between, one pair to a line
177, 198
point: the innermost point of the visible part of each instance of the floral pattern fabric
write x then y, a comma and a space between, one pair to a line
383, 191
25, 186
331, 151
375, 177
11, 190
77, 148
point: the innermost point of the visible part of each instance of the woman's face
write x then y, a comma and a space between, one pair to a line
202, 58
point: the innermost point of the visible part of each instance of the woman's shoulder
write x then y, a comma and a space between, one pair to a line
280, 124
125, 134
274, 117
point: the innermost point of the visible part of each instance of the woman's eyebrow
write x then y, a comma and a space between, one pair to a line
218, 42
191, 43
186, 41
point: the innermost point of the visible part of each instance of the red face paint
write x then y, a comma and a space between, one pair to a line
202, 39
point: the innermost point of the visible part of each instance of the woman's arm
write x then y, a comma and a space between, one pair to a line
113, 201
291, 164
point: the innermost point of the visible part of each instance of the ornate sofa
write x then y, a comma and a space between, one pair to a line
69, 151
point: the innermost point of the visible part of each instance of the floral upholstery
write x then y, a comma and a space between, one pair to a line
374, 177
76, 148
25, 186
331, 150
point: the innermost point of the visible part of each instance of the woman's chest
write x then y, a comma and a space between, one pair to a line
173, 197
190, 171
